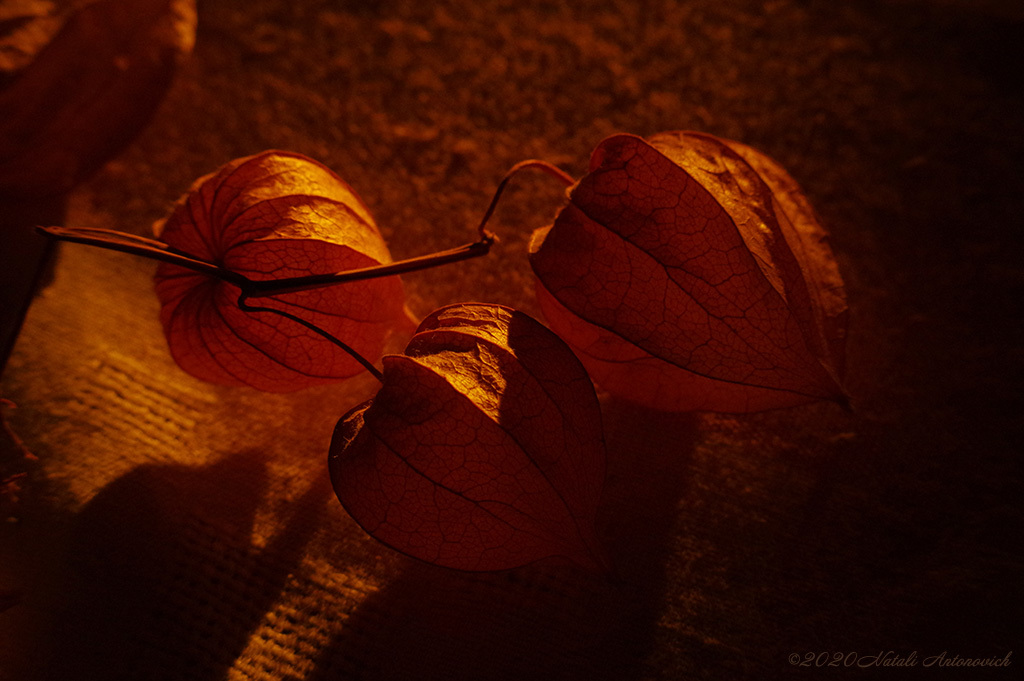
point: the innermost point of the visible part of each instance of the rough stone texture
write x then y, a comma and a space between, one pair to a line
172, 529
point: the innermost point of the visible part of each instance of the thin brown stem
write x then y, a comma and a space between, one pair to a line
528, 164
157, 250
474, 250
250, 288
242, 304
257, 288
270, 287
147, 248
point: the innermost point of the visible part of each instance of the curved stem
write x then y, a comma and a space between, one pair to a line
476, 249
157, 250
528, 164
250, 288
243, 305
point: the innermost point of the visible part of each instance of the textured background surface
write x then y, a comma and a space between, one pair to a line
172, 529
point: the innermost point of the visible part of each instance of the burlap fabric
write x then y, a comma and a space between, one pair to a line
177, 530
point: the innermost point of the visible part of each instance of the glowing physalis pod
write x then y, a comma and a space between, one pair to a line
483, 450
275, 216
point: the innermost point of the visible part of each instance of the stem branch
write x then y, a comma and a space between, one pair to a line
242, 304
270, 287
528, 164
250, 288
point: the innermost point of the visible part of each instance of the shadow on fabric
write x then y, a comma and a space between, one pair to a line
544, 621
162, 577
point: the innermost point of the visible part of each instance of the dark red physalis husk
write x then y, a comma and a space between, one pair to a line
689, 272
88, 92
483, 450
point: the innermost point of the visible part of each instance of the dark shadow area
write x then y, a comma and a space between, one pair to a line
26, 261
899, 547
985, 36
544, 621
162, 577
